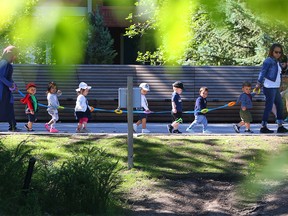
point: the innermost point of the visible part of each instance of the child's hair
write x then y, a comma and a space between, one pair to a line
203, 89
50, 86
284, 59
80, 91
246, 84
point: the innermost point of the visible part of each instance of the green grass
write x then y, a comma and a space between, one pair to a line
164, 156
156, 158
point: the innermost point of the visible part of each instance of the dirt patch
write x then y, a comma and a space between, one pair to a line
202, 197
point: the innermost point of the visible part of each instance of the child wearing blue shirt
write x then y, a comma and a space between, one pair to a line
245, 100
176, 111
200, 117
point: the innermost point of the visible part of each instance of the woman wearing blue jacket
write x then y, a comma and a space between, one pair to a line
270, 79
7, 85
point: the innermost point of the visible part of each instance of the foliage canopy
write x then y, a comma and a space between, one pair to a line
225, 33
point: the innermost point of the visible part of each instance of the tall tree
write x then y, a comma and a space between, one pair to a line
100, 43
219, 34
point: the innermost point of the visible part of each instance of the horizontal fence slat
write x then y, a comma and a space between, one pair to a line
224, 83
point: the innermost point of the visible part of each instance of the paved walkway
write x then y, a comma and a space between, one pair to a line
155, 128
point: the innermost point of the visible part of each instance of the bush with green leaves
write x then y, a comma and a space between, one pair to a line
13, 168
84, 184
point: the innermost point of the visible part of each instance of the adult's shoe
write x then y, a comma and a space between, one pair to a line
14, 129
266, 130
282, 129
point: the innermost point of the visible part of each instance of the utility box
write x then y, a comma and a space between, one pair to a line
122, 97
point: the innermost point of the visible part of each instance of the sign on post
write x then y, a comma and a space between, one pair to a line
122, 97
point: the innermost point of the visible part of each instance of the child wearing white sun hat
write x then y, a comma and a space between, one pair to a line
142, 118
82, 109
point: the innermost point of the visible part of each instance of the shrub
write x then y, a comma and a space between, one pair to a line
83, 184
13, 167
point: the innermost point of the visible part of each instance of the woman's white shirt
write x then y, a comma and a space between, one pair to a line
270, 84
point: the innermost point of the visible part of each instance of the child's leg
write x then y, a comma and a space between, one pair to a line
144, 120
204, 121
30, 124
194, 123
54, 119
138, 122
241, 123
247, 125
175, 125
84, 122
79, 125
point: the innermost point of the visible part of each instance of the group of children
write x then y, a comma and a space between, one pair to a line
83, 109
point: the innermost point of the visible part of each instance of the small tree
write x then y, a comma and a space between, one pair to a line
100, 43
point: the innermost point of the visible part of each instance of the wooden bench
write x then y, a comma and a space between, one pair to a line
224, 85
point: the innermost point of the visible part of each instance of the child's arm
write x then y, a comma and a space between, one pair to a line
144, 103
52, 101
59, 93
174, 110
26, 100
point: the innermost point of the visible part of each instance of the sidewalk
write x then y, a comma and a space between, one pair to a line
155, 128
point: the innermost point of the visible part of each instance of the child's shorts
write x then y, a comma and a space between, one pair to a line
141, 115
246, 116
31, 118
176, 116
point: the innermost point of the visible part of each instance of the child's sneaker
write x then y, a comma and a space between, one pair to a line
27, 128
53, 130
47, 127
135, 128
190, 130
78, 130
170, 128
236, 128
177, 131
207, 132
248, 131
145, 131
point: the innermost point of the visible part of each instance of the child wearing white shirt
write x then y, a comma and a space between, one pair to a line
144, 107
52, 97
82, 109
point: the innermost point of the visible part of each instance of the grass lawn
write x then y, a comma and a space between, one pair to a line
157, 157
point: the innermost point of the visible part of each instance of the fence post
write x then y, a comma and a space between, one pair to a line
28, 176
130, 120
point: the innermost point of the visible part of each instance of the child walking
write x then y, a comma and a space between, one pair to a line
176, 103
82, 109
31, 106
245, 99
52, 97
144, 104
200, 117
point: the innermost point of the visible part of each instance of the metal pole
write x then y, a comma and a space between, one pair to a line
89, 6
28, 176
130, 120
